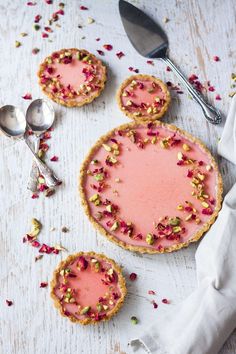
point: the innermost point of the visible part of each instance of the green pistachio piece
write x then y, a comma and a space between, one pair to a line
99, 177
134, 320
150, 239
174, 221
176, 229
85, 310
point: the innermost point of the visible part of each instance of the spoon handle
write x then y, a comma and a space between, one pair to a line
50, 178
212, 114
34, 173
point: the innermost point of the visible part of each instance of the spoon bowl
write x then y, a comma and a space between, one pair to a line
12, 121
40, 116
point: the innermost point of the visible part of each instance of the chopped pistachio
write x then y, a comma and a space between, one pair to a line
176, 229
180, 207
150, 239
205, 204
94, 162
208, 167
99, 307
186, 147
65, 229
149, 110
180, 156
85, 310
117, 180
115, 226
134, 320
36, 27
189, 217
17, 44
154, 140
106, 147
109, 208
201, 176
24, 34
90, 20
174, 221
99, 177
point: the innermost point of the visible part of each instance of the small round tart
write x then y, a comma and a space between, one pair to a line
151, 187
143, 97
72, 77
88, 288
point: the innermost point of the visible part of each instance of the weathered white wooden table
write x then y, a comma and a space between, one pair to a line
197, 31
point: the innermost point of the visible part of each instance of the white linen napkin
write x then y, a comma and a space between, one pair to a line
202, 323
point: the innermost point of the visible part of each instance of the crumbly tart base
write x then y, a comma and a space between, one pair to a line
70, 259
72, 103
205, 227
147, 117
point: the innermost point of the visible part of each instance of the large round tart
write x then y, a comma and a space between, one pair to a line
72, 77
88, 287
151, 187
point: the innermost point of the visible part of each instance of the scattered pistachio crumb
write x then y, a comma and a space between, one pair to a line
134, 320
90, 20
65, 229
166, 19
17, 44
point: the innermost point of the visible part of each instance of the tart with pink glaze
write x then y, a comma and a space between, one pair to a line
88, 288
143, 97
151, 187
72, 77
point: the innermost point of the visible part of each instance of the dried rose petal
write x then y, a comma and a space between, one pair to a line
133, 276
100, 52
48, 29
43, 285
165, 301
216, 58
151, 292
44, 35
82, 263
35, 51
27, 96
54, 158
211, 88
9, 302
60, 12
108, 46
168, 68
37, 18
34, 196
35, 244
83, 7
97, 39
150, 62
154, 304
30, 3
120, 55
218, 98
49, 2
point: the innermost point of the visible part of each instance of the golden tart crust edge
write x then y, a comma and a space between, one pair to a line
143, 249
144, 77
73, 103
121, 282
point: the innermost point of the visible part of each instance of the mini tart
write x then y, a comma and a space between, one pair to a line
143, 97
88, 288
151, 187
72, 77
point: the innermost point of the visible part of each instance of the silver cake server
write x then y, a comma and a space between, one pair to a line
150, 41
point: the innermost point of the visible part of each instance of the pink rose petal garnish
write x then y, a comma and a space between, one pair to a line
34, 196
218, 98
150, 62
98, 39
83, 7
9, 302
30, 3
44, 35
133, 276
43, 285
168, 68
108, 47
216, 58
27, 96
151, 292
120, 55
154, 304
211, 88
100, 52
37, 18
165, 301
54, 158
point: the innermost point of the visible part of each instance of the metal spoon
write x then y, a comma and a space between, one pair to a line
40, 117
13, 125
150, 41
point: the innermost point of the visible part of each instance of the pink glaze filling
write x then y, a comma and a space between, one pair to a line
72, 75
151, 186
89, 288
139, 94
